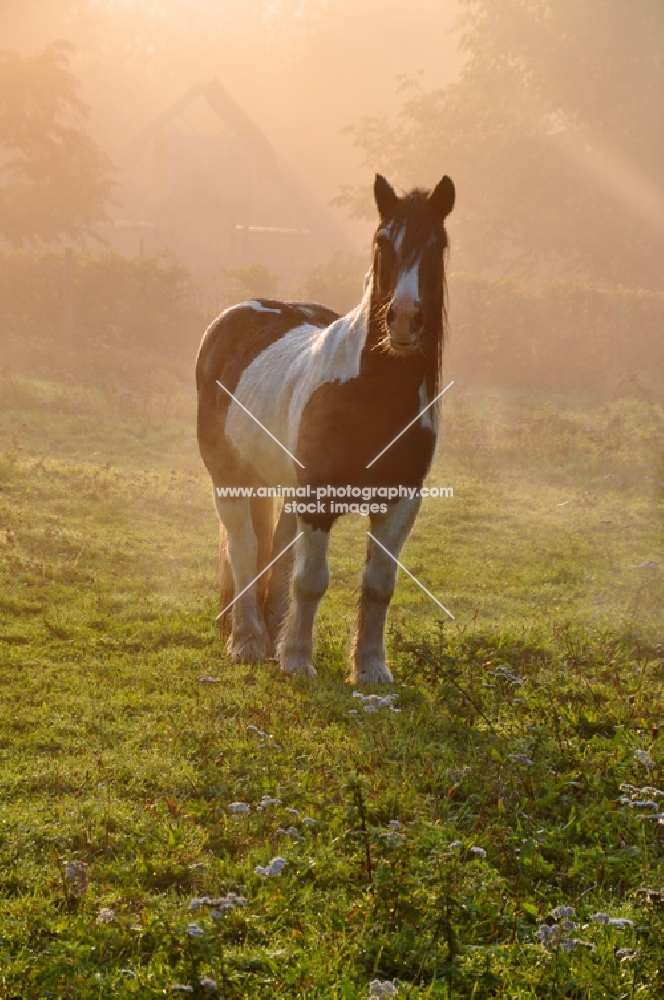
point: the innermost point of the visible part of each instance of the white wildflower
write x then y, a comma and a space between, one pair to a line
378, 988
293, 812
621, 922
520, 758
454, 844
206, 679
105, 916
370, 708
627, 954
479, 851
194, 931
645, 759
198, 901
238, 807
259, 732
267, 800
180, 988
563, 912
275, 867
601, 918
291, 831
308, 821
353, 711
207, 983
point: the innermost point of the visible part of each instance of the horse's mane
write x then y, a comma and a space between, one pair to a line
413, 215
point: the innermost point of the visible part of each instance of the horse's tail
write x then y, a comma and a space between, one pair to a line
263, 519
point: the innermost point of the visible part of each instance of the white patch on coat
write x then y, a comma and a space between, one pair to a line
427, 419
278, 384
260, 308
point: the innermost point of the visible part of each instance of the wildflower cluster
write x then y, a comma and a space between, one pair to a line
604, 918
644, 758
642, 798
206, 982
267, 800
219, 906
374, 702
382, 988
275, 867
454, 845
394, 835
291, 831
520, 758
505, 674
556, 937
239, 808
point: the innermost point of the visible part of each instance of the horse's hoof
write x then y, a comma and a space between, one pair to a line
371, 670
297, 663
249, 650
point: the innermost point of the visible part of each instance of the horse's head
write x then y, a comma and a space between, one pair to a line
408, 277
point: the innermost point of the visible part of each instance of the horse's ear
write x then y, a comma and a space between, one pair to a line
386, 197
442, 197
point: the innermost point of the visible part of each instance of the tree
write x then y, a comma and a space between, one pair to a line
54, 180
552, 135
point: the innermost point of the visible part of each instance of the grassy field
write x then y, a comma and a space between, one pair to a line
517, 770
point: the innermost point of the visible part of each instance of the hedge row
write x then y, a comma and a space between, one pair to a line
565, 337
149, 302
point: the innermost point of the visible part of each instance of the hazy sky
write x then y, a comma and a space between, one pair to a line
302, 69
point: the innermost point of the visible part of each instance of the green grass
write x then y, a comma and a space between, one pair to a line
112, 752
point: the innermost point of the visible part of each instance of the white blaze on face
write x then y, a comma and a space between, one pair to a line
405, 304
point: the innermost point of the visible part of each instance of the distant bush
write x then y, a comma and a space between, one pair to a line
148, 302
338, 283
566, 337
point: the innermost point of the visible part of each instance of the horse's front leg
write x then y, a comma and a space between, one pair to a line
249, 640
311, 576
380, 575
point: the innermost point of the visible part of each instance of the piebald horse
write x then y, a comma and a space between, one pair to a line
332, 392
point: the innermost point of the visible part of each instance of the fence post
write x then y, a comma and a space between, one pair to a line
68, 297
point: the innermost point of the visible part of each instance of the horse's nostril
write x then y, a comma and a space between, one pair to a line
417, 321
391, 315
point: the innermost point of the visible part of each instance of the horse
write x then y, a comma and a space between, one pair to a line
291, 393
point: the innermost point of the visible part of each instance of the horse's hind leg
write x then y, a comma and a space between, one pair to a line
226, 590
249, 640
276, 602
380, 575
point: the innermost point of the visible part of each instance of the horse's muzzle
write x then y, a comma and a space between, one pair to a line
404, 324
